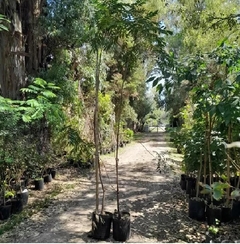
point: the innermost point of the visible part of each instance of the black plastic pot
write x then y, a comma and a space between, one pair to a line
219, 202
23, 196
196, 209
5, 211
53, 173
226, 214
39, 184
101, 225
183, 182
233, 181
215, 178
47, 178
235, 209
121, 226
214, 214
191, 184
17, 206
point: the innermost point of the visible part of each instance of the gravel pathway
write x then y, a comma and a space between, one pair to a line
155, 200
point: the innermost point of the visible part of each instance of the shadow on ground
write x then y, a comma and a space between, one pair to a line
157, 205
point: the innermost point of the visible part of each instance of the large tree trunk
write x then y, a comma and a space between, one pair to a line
19, 47
12, 68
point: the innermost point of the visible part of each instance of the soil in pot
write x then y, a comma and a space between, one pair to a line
196, 209
226, 214
101, 225
121, 226
47, 178
5, 211
214, 215
39, 184
23, 196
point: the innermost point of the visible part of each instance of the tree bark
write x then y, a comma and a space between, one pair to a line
20, 46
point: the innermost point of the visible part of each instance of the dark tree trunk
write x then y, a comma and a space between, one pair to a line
20, 47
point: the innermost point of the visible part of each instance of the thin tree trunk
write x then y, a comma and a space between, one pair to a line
117, 149
209, 129
96, 127
199, 174
228, 165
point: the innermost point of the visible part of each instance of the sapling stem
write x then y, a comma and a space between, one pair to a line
199, 174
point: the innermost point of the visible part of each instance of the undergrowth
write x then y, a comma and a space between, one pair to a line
30, 209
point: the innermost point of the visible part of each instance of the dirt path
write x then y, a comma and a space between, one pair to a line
148, 195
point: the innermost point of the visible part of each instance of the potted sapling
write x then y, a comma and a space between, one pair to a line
196, 206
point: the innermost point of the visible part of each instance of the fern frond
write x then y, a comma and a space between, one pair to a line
52, 86
26, 118
48, 94
40, 82
27, 90
33, 103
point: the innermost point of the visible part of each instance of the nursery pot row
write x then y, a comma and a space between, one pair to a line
101, 226
198, 210
39, 183
14, 205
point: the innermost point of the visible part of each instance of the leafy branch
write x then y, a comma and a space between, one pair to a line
3, 20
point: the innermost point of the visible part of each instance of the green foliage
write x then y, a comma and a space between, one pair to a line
39, 100
70, 140
128, 134
66, 22
217, 189
213, 229
215, 95
3, 23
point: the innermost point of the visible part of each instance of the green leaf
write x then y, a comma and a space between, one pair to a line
205, 191
3, 27
32, 103
48, 94
52, 86
238, 78
26, 118
28, 90
150, 79
159, 88
206, 186
155, 82
217, 194
42, 83
224, 177
235, 193
220, 185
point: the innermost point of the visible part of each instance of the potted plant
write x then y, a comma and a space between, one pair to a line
101, 219
38, 177
121, 219
216, 191
196, 205
18, 168
5, 207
